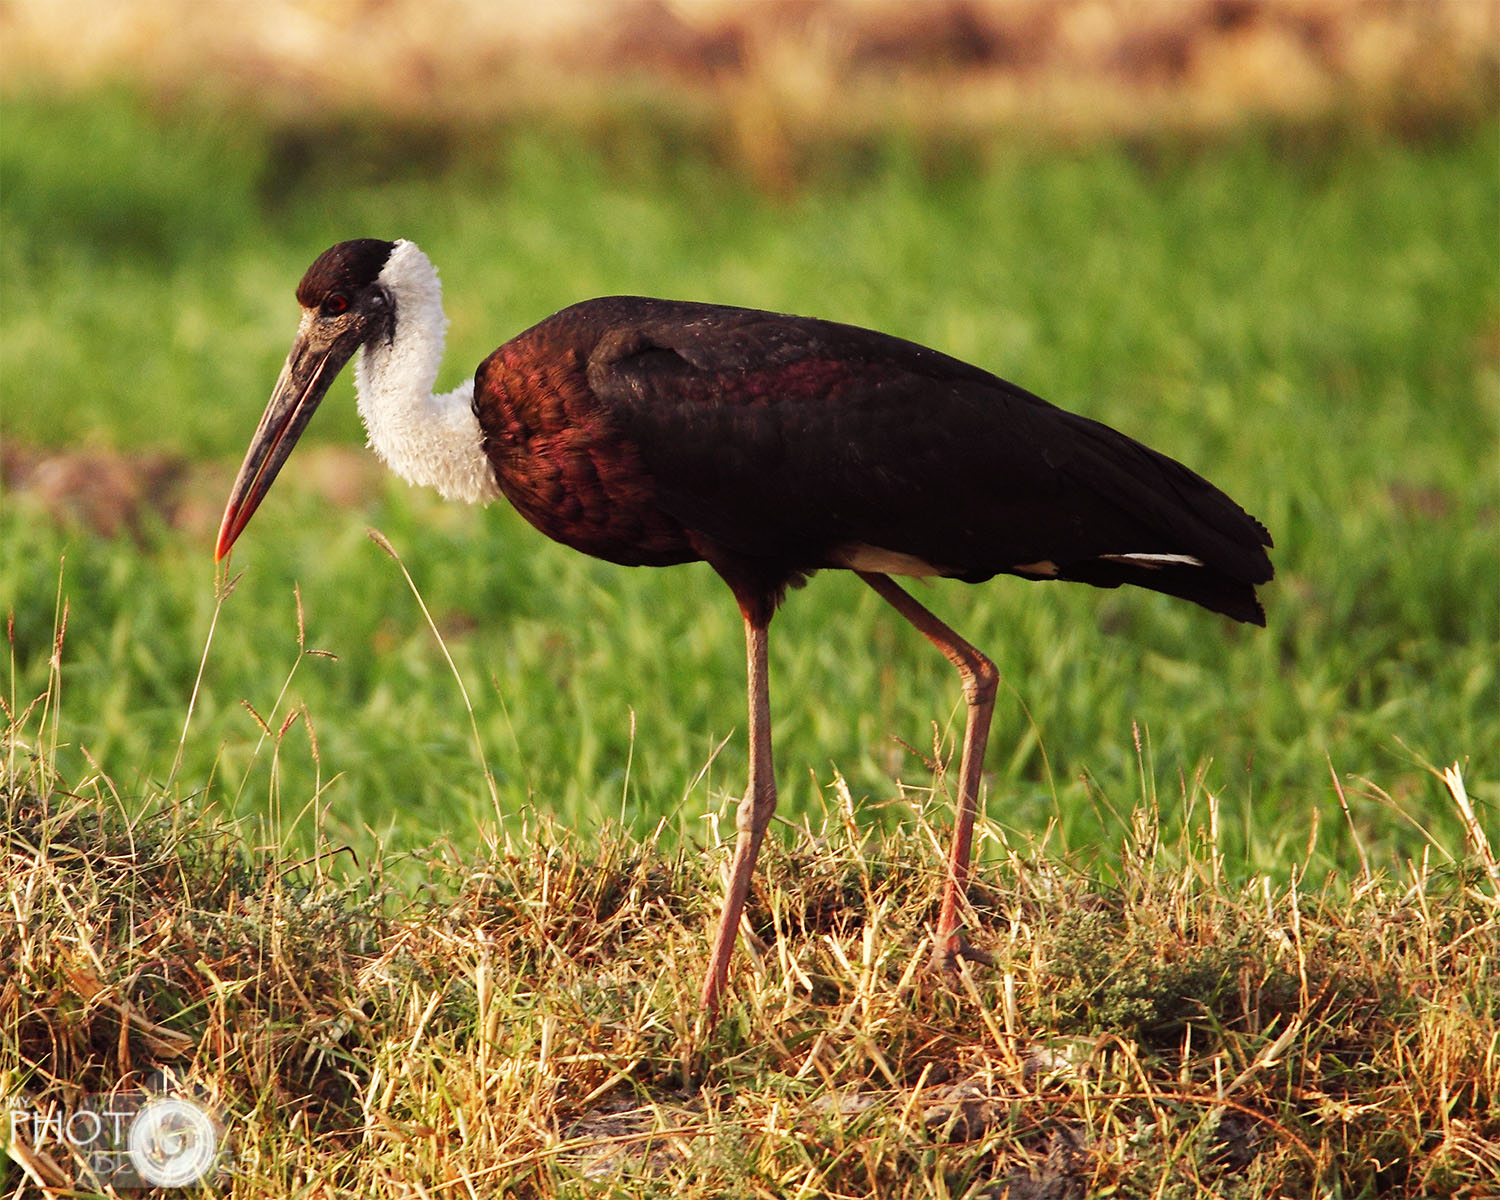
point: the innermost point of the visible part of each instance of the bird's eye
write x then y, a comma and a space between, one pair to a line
335, 304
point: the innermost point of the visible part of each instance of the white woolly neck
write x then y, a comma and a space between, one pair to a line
429, 440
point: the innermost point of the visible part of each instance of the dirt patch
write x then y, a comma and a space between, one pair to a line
125, 494
624, 1137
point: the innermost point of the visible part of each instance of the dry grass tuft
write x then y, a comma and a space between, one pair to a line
529, 1025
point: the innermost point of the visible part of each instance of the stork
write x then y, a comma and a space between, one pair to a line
654, 432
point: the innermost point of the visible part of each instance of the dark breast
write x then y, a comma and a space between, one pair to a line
557, 454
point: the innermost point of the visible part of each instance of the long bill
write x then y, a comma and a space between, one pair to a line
310, 368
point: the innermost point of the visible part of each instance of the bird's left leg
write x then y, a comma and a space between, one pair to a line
980, 680
754, 814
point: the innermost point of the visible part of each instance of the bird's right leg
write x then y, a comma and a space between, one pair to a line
980, 680
753, 817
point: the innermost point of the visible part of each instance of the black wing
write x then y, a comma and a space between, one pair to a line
792, 440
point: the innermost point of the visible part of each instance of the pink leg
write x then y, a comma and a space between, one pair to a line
980, 679
752, 819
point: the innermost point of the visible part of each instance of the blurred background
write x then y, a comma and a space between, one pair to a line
772, 77
1262, 235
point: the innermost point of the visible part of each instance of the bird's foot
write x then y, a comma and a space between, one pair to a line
949, 951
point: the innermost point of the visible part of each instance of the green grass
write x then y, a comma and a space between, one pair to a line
1313, 324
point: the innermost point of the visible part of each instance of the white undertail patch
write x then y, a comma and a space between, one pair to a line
878, 561
1154, 560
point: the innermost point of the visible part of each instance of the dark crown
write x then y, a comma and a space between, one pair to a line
348, 267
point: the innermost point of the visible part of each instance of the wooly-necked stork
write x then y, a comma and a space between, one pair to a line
653, 432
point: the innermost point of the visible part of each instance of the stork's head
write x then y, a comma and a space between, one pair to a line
345, 305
